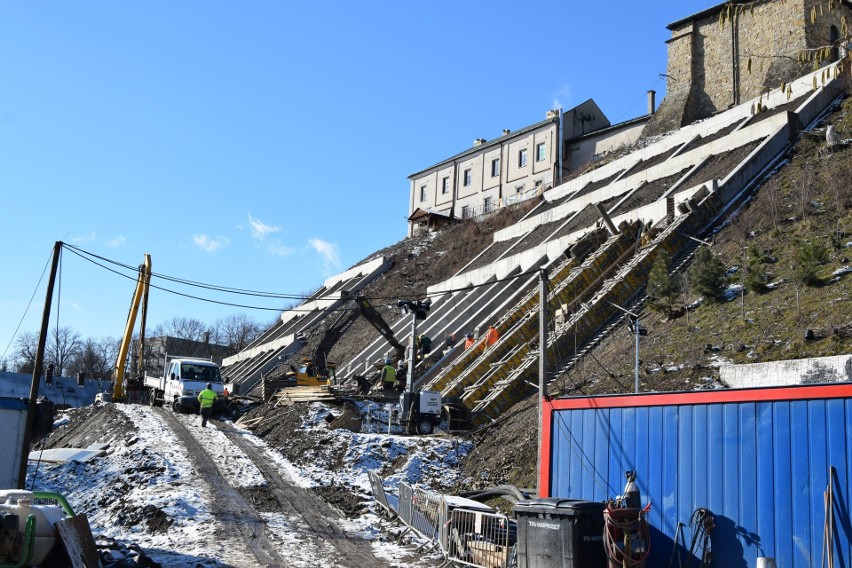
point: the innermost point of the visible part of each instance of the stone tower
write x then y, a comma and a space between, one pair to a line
733, 52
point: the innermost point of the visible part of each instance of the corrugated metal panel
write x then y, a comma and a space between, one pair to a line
13, 419
760, 461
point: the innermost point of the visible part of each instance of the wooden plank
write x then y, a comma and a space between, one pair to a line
76, 536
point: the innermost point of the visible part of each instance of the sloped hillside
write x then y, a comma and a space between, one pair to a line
807, 199
417, 263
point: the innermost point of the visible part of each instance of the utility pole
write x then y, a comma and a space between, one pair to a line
542, 364
636, 332
39, 363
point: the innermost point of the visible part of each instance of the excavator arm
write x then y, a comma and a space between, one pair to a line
331, 336
376, 320
140, 296
347, 317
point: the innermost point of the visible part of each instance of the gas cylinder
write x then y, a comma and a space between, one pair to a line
21, 504
632, 496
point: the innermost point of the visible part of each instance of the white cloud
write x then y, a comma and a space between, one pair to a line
84, 238
210, 245
259, 229
328, 253
116, 241
279, 249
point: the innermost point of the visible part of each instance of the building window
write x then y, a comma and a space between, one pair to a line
465, 211
445, 185
519, 188
422, 193
495, 167
539, 152
467, 177
488, 204
522, 158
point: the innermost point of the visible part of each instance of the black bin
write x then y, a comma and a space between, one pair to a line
560, 533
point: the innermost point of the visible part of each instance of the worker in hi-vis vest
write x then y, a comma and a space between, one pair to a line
206, 398
388, 375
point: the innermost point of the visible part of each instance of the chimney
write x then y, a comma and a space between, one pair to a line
478, 142
652, 95
205, 337
506, 131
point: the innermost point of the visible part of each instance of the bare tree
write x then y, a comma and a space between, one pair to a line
182, 328
237, 331
63, 343
96, 358
26, 346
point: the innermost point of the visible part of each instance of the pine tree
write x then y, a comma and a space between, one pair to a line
707, 275
756, 278
809, 257
663, 290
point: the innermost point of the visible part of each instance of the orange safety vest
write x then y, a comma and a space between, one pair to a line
491, 336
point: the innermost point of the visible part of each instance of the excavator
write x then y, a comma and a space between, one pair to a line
140, 297
317, 370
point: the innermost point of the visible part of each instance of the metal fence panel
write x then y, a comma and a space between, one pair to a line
406, 501
379, 491
480, 539
426, 513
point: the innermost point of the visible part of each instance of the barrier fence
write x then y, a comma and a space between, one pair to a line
476, 538
378, 487
465, 536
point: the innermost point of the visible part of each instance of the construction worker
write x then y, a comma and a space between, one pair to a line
206, 398
388, 375
469, 342
491, 337
401, 372
424, 343
450, 341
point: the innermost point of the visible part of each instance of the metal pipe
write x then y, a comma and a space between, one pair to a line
542, 362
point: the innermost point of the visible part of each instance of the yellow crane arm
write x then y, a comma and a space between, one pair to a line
142, 283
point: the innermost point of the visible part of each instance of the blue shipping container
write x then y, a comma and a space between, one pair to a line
759, 459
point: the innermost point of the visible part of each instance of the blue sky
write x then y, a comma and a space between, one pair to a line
266, 145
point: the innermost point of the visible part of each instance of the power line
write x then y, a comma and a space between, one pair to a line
103, 261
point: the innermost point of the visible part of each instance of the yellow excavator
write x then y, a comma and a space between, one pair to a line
140, 298
317, 370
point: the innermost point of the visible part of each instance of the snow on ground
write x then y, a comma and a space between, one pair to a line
152, 473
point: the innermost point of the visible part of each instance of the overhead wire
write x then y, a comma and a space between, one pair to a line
90, 257
29, 305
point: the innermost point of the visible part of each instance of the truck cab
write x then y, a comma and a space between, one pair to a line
184, 380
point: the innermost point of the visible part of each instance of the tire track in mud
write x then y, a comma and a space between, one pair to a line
230, 507
319, 518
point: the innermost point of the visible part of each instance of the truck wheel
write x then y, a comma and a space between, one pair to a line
152, 397
424, 426
176, 407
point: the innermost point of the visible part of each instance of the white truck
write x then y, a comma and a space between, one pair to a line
183, 379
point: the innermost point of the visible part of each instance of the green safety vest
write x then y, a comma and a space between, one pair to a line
206, 397
389, 374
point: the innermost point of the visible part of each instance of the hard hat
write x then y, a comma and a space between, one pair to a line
387, 361
209, 385
470, 336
